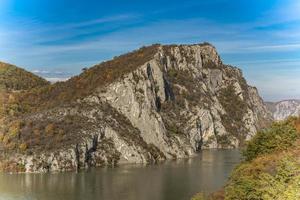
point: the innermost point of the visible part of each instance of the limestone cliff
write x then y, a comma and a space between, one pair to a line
159, 102
283, 109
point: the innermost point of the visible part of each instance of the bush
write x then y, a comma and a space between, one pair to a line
49, 129
267, 178
280, 136
23, 147
271, 170
198, 196
235, 109
14, 129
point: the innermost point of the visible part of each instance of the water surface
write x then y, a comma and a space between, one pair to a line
173, 180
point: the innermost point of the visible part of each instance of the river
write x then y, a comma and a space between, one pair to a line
171, 180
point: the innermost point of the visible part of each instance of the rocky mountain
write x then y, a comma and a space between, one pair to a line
284, 109
159, 102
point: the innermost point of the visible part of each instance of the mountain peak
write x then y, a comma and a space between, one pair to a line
158, 102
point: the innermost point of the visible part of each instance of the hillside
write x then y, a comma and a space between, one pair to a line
283, 109
159, 102
13, 81
271, 167
14, 78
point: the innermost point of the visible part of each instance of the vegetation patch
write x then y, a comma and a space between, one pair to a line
14, 78
271, 170
280, 136
235, 109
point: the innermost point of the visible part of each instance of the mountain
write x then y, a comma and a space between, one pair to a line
284, 109
159, 102
14, 78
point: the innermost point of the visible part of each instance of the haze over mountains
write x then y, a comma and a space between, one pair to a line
284, 109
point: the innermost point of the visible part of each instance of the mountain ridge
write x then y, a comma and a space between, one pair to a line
159, 102
283, 109
15, 78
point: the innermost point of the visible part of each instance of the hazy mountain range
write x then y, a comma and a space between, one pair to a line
283, 109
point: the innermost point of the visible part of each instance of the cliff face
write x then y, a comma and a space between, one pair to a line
160, 102
284, 109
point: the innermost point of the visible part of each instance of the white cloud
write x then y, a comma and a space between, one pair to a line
40, 44
55, 79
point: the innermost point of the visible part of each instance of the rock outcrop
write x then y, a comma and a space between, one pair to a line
283, 109
157, 103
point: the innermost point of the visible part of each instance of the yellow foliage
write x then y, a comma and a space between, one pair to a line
5, 139
1, 137
198, 196
23, 147
13, 132
49, 129
11, 99
11, 145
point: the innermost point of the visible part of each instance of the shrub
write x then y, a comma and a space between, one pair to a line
267, 178
23, 147
198, 196
235, 109
272, 167
49, 129
14, 129
5, 139
280, 136
1, 137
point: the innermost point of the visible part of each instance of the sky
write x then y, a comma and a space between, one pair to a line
56, 39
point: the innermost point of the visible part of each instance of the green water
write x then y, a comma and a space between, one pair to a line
174, 180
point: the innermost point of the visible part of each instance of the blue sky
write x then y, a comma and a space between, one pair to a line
56, 38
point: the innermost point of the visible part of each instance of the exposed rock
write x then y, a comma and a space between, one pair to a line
180, 100
284, 109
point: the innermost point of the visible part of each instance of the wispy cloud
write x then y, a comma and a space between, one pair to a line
280, 47
55, 79
271, 39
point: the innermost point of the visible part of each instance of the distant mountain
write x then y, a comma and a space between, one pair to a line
284, 109
159, 102
14, 78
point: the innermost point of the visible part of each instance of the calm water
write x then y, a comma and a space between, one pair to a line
176, 180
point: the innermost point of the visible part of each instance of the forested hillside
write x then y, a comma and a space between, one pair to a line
271, 167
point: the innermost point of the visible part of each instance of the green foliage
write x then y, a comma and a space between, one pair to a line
268, 178
224, 140
272, 167
271, 170
235, 109
280, 136
198, 196
14, 78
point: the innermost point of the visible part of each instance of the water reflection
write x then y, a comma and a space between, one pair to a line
169, 181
